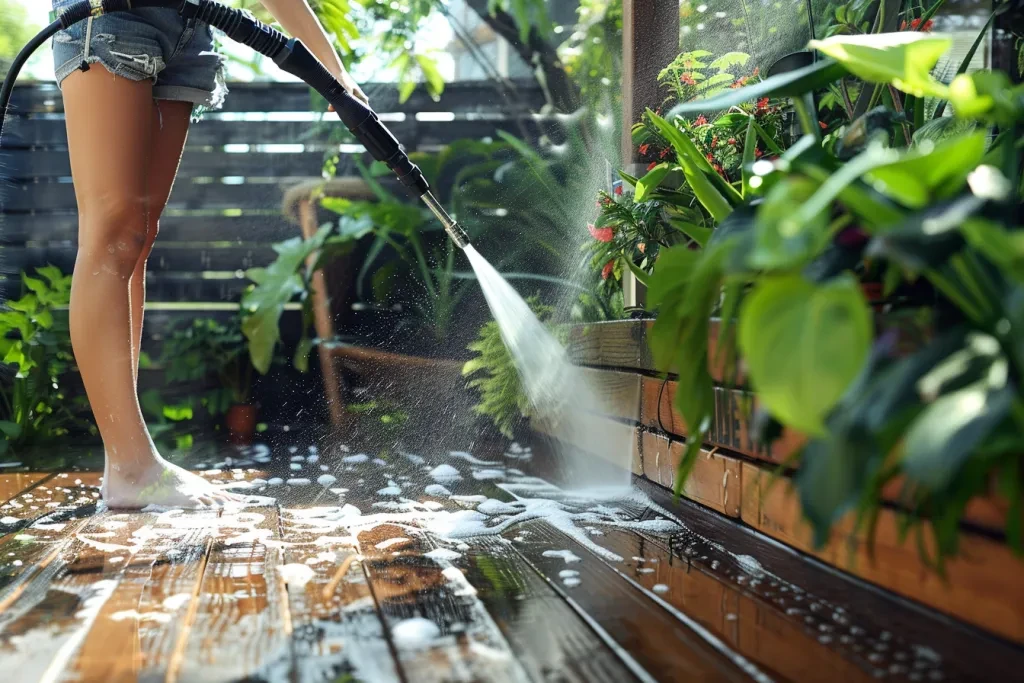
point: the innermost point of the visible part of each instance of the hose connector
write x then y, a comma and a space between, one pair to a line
451, 227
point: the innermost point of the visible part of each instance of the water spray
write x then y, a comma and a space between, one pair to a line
288, 53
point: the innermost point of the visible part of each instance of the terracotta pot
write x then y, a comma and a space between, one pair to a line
241, 423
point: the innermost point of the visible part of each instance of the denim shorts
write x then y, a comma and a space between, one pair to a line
146, 43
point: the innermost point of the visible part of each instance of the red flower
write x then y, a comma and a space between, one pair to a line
644, 147
650, 166
642, 247
740, 82
687, 79
731, 141
757, 70
717, 167
903, 25
709, 157
824, 126
664, 153
757, 153
606, 272
618, 189
701, 121
928, 26
762, 104
714, 140
915, 25
606, 234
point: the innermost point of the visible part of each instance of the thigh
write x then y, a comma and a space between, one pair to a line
170, 125
110, 126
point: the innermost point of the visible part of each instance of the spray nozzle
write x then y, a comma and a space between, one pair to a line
451, 227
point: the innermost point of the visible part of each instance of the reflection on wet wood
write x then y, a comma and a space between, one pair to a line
550, 639
13, 484
237, 627
653, 640
468, 645
777, 641
336, 630
983, 584
62, 508
61, 603
53, 500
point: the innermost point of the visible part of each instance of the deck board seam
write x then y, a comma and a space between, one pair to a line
178, 654
385, 629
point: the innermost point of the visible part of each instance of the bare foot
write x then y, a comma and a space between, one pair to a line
164, 484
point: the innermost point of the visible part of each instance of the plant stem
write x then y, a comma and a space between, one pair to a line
847, 102
897, 104
806, 119
953, 294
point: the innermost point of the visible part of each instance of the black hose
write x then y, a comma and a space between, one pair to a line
19, 62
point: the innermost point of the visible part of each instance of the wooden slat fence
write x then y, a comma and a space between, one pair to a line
225, 210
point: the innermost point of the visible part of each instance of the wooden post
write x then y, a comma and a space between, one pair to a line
322, 319
650, 40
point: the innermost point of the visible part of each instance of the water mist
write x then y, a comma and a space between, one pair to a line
563, 398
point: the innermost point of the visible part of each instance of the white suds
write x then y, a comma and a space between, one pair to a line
326, 479
383, 545
389, 491
571, 582
443, 555
487, 475
660, 588
175, 602
415, 634
436, 490
568, 573
296, 575
566, 555
445, 473
355, 459
463, 455
299, 482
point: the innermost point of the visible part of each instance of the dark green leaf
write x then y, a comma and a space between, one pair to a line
790, 84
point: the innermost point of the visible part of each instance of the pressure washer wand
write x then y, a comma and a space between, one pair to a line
292, 56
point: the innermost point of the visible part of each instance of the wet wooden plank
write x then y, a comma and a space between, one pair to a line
982, 585
336, 629
882, 624
237, 628
548, 637
467, 645
41, 631
652, 641
714, 480
63, 506
779, 643
139, 626
13, 484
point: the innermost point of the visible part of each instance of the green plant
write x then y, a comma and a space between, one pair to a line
207, 348
385, 419
929, 204
494, 375
276, 285
35, 348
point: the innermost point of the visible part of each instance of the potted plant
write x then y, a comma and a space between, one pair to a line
207, 348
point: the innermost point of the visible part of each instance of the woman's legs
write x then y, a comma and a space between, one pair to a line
112, 137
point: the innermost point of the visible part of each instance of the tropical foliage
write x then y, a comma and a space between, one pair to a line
933, 203
35, 347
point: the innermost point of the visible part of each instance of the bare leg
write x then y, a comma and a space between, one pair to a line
110, 138
170, 129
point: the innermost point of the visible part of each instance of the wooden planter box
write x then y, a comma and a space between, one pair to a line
732, 478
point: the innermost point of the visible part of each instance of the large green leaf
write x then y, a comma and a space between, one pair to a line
830, 479
804, 343
276, 285
779, 240
945, 435
903, 60
651, 180
790, 84
930, 171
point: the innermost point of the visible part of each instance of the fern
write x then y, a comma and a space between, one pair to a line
495, 377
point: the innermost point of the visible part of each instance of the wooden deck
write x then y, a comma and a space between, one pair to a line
392, 571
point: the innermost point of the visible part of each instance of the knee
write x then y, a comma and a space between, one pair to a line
115, 232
